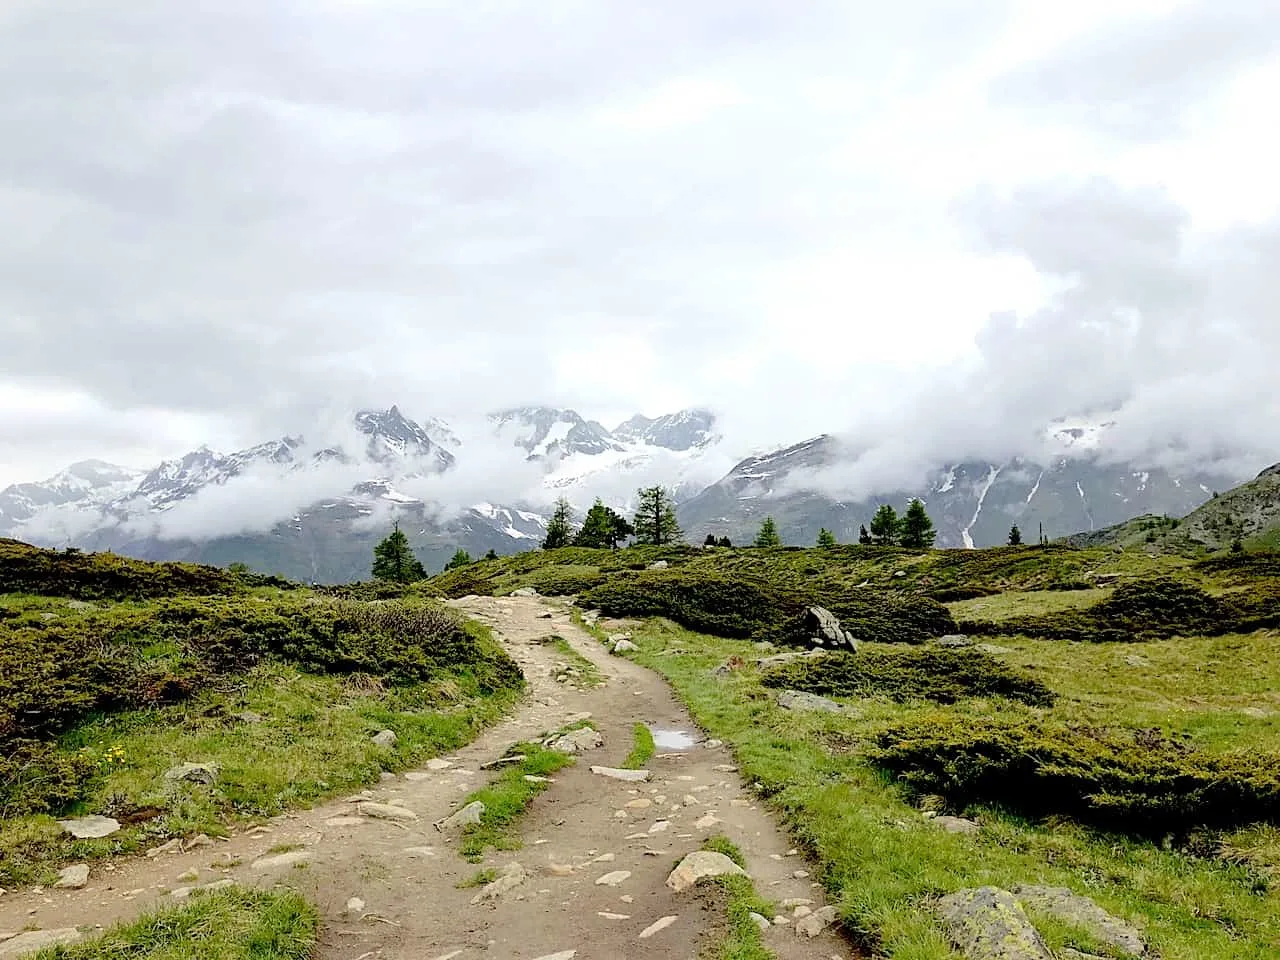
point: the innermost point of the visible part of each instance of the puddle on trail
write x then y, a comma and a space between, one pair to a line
671, 739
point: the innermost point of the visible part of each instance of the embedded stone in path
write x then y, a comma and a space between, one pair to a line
470, 814
290, 859
438, 763
700, 865
73, 877
1081, 911
34, 940
90, 828
512, 875
812, 924
384, 811
344, 821
656, 927
987, 923
562, 955
634, 776
613, 879
577, 741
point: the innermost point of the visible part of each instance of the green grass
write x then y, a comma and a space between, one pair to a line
1025, 603
479, 878
507, 798
588, 675
882, 861
742, 939
314, 743
642, 747
230, 924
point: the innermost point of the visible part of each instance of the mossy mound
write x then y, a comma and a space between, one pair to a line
942, 675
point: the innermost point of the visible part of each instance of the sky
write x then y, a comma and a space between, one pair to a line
929, 227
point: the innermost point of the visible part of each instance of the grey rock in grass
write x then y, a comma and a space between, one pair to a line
205, 773
1081, 911
956, 824
700, 865
289, 859
954, 640
469, 815
385, 738
524, 592
826, 630
385, 811
800, 700
512, 875
90, 828
659, 565
33, 940
73, 877
987, 923
624, 646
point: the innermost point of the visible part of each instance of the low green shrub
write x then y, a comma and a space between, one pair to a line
1149, 610
563, 581
95, 576
747, 606
1138, 781
942, 674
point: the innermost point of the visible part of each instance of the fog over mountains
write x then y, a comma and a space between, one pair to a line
311, 507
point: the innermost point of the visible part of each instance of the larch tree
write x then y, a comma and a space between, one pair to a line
826, 539
393, 559
768, 535
655, 522
884, 526
559, 527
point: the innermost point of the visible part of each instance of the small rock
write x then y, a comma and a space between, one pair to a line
513, 874
656, 927
800, 700
34, 940
355, 905
624, 646
640, 803
290, 859
956, 824
205, 773
190, 876
707, 822
954, 640
384, 811
781, 921
470, 814
659, 565
801, 874
198, 841
699, 865
660, 826
792, 902
613, 916
436, 764
524, 592
545, 615
618, 637
713, 744
762, 923
172, 846
633, 776
73, 877
560, 869
90, 828
562, 955
248, 716
385, 738
814, 923
613, 879
577, 741
344, 821
801, 911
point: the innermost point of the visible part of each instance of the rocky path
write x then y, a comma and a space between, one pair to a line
591, 876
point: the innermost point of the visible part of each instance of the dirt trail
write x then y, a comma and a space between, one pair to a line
581, 829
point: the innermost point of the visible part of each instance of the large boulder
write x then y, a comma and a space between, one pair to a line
987, 923
1080, 911
824, 627
700, 865
90, 828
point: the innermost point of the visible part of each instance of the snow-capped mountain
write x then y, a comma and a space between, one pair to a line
971, 503
305, 506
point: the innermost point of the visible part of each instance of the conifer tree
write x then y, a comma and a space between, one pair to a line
394, 560
596, 531
491, 555
460, 559
559, 527
864, 538
710, 541
916, 529
884, 526
826, 538
655, 522
768, 535
1015, 536
725, 542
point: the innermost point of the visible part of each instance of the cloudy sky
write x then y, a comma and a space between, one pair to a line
930, 225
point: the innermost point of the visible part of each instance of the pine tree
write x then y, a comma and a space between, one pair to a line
864, 538
394, 560
826, 539
884, 526
768, 535
620, 527
1015, 536
916, 529
491, 555
597, 531
559, 527
655, 522
460, 559
724, 542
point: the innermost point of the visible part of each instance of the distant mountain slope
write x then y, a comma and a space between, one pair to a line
971, 503
1249, 513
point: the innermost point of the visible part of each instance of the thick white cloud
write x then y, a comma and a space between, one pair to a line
938, 223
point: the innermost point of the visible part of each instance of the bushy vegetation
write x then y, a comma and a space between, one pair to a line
55, 674
232, 924
940, 674
99, 576
1149, 609
1140, 781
